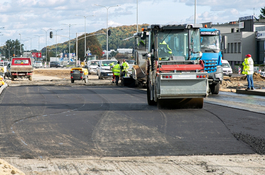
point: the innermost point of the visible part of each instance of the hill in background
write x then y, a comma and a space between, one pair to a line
116, 40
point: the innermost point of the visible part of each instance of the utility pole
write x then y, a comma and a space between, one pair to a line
107, 42
56, 40
85, 33
20, 52
195, 12
46, 45
137, 15
69, 38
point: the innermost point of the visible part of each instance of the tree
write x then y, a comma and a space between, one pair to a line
50, 54
12, 48
262, 15
91, 43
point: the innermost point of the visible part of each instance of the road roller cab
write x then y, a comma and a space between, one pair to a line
175, 73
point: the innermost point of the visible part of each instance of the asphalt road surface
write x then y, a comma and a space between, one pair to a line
38, 122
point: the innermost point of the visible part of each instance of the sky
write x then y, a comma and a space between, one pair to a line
30, 21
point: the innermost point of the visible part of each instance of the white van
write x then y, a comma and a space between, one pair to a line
227, 70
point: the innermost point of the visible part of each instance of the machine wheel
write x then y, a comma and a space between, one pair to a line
215, 88
149, 101
72, 80
12, 77
86, 80
134, 76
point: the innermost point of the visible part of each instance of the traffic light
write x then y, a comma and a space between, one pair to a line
109, 32
51, 34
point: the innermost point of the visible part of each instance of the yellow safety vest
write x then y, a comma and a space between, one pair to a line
125, 66
246, 68
116, 70
169, 50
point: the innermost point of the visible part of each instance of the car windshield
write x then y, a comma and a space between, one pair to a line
21, 61
106, 63
94, 63
3, 63
225, 65
210, 43
38, 62
177, 44
130, 61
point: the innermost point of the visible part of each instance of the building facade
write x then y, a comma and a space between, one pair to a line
245, 36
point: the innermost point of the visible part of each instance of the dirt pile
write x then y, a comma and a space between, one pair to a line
241, 82
61, 73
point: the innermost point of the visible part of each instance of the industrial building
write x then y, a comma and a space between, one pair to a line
245, 36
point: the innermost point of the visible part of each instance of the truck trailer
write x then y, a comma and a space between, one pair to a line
174, 73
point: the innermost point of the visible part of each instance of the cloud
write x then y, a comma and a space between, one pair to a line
29, 17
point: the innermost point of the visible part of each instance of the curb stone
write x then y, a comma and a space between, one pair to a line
2, 88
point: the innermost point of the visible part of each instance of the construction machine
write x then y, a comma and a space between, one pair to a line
173, 72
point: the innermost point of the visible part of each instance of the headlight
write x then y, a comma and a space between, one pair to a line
219, 75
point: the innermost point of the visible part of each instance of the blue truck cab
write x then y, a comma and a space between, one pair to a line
211, 55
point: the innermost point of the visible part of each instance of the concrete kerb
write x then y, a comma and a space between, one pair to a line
260, 92
2, 88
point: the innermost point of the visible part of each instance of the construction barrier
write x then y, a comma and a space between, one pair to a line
239, 70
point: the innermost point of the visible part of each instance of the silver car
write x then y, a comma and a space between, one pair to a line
92, 66
104, 70
38, 64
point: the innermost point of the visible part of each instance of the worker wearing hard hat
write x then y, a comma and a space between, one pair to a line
125, 68
116, 71
162, 43
248, 69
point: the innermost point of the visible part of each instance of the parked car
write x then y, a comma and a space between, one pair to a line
103, 70
38, 64
79, 73
3, 67
92, 66
55, 64
227, 70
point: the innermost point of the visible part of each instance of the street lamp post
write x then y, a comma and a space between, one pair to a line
20, 44
38, 42
46, 43
56, 39
107, 42
85, 32
31, 43
0, 39
69, 37
195, 12
137, 16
